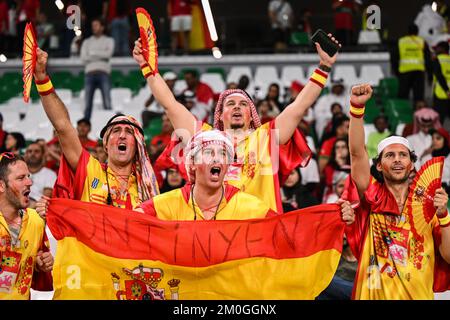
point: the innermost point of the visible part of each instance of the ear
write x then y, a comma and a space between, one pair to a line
378, 166
2, 186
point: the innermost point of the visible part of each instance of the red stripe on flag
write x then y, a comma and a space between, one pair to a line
126, 234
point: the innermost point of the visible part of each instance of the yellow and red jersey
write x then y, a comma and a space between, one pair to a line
90, 183
18, 260
261, 163
395, 263
178, 204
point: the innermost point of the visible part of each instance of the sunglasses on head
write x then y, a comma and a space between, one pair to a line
8, 155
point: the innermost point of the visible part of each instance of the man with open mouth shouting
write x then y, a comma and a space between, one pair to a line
262, 152
206, 196
125, 181
25, 260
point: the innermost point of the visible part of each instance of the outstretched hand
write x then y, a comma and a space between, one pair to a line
325, 59
361, 94
40, 71
347, 212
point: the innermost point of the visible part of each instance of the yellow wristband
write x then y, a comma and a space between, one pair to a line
44, 87
319, 77
146, 71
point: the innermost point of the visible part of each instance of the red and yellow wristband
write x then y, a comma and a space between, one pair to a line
45, 86
357, 110
147, 71
319, 77
444, 221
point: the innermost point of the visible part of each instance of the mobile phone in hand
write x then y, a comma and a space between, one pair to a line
327, 45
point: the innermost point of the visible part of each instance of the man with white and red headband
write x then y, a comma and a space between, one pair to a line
403, 249
206, 196
262, 152
125, 181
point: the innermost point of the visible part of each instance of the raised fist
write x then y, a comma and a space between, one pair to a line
361, 93
40, 72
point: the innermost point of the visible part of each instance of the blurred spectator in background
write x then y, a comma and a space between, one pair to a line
424, 120
304, 22
160, 141
4, 27
100, 153
202, 91
265, 111
293, 91
339, 161
339, 178
197, 108
15, 142
43, 178
173, 180
179, 13
96, 52
83, 129
322, 107
336, 111
53, 155
440, 147
118, 15
441, 81
281, 18
3, 135
409, 127
430, 23
92, 10
295, 195
410, 59
243, 83
44, 31
339, 130
26, 11
382, 131
273, 97
344, 11
152, 107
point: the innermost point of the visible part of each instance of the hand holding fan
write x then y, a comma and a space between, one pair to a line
28, 60
148, 39
420, 200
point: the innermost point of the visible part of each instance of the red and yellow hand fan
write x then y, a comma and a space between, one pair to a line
422, 190
148, 39
28, 59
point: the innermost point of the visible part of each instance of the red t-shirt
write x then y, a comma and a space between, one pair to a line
343, 17
204, 93
30, 7
89, 144
180, 7
327, 147
4, 19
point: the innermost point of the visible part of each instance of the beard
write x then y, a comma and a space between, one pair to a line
394, 180
13, 199
237, 126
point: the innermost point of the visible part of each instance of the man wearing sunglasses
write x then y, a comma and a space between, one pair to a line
25, 260
125, 181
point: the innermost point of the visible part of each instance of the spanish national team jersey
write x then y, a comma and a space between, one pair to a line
90, 183
395, 263
179, 205
261, 163
18, 258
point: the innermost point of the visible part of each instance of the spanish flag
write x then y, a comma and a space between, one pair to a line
199, 36
109, 253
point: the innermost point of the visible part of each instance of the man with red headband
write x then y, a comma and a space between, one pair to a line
400, 254
206, 196
261, 151
125, 181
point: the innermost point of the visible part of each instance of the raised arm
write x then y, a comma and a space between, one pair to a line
287, 121
440, 202
179, 115
58, 115
359, 159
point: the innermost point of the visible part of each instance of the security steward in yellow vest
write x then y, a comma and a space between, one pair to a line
441, 80
410, 61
